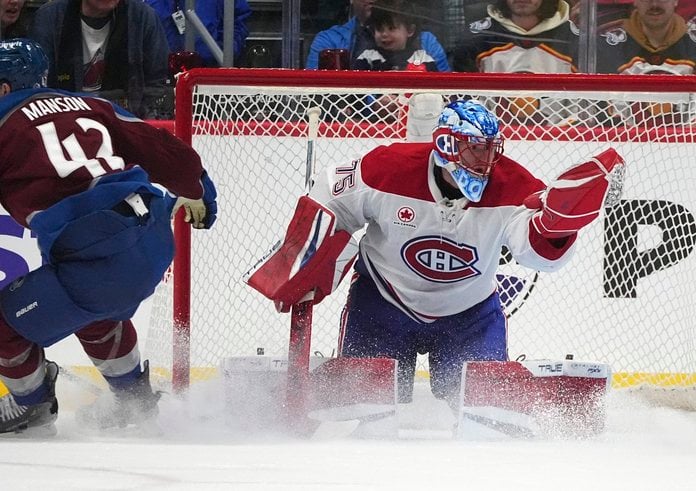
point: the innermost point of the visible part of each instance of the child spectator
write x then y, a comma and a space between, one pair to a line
396, 41
396, 46
355, 36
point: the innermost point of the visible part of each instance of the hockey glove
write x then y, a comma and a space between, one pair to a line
576, 197
200, 213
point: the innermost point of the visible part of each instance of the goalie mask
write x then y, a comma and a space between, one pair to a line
468, 144
23, 64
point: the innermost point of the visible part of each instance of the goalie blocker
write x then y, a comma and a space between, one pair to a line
312, 258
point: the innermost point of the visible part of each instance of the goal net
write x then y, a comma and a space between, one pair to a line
626, 297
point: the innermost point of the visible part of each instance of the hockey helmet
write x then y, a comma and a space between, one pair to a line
23, 64
468, 144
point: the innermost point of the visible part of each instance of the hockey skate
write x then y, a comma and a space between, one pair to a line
35, 420
133, 406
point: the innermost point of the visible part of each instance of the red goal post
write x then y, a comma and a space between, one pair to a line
626, 298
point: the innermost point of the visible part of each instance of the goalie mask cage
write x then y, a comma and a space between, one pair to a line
626, 298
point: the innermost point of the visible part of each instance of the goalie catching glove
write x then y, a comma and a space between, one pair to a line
575, 198
200, 213
313, 257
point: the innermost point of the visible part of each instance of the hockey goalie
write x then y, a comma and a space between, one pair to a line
424, 281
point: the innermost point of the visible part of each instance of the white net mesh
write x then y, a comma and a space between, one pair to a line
625, 299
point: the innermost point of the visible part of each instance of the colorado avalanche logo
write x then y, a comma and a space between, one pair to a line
691, 28
439, 259
615, 37
481, 25
574, 28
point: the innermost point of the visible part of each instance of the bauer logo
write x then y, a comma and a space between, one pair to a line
439, 259
26, 309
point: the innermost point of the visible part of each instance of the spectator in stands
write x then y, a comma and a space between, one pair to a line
532, 36
356, 35
396, 46
113, 47
610, 12
654, 39
211, 14
396, 40
13, 19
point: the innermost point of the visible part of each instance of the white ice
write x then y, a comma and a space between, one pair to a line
644, 448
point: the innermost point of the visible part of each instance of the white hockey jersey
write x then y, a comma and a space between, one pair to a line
428, 255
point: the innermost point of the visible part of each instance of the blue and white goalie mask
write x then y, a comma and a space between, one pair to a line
468, 144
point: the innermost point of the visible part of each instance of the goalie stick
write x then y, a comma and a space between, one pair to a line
299, 346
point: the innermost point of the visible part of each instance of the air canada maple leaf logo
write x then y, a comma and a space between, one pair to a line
405, 214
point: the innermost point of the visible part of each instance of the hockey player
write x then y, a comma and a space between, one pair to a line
437, 216
80, 172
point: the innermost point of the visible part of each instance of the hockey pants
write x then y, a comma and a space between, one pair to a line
102, 266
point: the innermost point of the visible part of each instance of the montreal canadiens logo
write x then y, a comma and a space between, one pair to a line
443, 143
439, 259
405, 214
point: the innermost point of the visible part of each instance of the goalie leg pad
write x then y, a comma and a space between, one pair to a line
564, 398
372, 327
353, 388
357, 389
478, 333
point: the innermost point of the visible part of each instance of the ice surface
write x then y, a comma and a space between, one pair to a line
644, 448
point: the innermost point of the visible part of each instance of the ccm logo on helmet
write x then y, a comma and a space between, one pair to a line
439, 259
